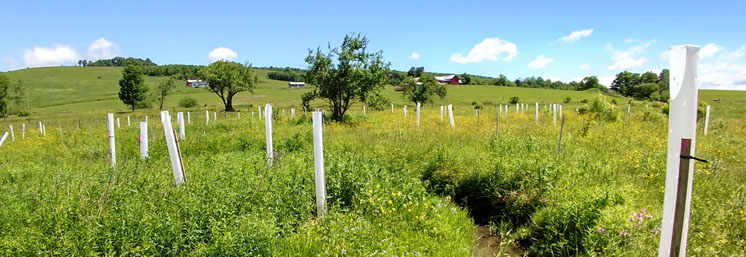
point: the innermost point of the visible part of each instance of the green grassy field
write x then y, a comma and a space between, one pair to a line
68, 90
394, 189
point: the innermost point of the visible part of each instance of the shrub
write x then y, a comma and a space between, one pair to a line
562, 229
378, 101
568, 99
188, 102
599, 109
584, 101
23, 114
613, 101
476, 104
514, 100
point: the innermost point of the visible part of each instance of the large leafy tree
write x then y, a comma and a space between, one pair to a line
345, 74
648, 77
590, 83
164, 89
132, 87
227, 79
625, 82
424, 89
10, 93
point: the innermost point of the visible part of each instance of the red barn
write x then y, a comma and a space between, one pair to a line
448, 79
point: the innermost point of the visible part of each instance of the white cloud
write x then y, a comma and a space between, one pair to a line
734, 55
10, 63
709, 50
584, 66
629, 59
103, 49
606, 80
728, 71
42, 56
576, 35
222, 53
540, 62
490, 49
414, 56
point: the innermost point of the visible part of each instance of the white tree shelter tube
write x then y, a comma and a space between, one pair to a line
144, 140
418, 115
182, 130
707, 121
207, 117
536, 111
268, 130
2, 139
450, 116
173, 149
189, 118
112, 147
682, 123
12, 134
318, 161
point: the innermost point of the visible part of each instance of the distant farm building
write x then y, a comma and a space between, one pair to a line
197, 83
448, 79
296, 84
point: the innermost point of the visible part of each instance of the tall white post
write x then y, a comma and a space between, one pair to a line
682, 124
506, 110
173, 149
23, 131
12, 134
189, 118
214, 116
363, 110
318, 161
392, 108
536, 111
707, 120
144, 140
292, 113
207, 117
405, 111
628, 105
41, 129
517, 110
450, 116
128, 121
112, 148
418, 115
554, 114
2, 139
560, 111
182, 130
118, 123
268, 132
500, 110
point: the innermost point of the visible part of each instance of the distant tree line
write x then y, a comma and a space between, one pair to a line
591, 82
645, 86
118, 62
180, 71
287, 74
148, 67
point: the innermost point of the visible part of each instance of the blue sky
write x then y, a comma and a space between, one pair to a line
564, 40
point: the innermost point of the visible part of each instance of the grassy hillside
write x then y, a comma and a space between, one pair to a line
55, 90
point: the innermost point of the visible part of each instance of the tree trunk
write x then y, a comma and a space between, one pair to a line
229, 104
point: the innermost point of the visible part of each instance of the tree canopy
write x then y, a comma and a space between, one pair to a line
10, 93
227, 78
345, 74
132, 87
648, 86
424, 89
